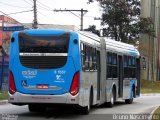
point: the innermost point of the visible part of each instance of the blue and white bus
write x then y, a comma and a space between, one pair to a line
61, 67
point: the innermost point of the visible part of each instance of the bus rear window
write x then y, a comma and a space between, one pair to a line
43, 44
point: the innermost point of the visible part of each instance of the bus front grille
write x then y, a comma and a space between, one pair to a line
43, 62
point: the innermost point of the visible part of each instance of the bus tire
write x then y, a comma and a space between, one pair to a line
86, 109
130, 101
111, 103
91, 97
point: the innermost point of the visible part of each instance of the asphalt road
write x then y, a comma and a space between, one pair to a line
142, 105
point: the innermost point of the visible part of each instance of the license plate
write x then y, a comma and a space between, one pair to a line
42, 86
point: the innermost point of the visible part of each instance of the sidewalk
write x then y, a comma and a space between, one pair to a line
150, 94
2, 102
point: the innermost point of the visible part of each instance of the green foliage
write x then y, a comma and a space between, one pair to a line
156, 114
146, 26
121, 20
4, 95
92, 28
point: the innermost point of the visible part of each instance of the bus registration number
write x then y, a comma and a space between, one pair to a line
61, 72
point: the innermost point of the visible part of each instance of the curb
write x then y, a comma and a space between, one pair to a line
150, 118
2, 102
150, 94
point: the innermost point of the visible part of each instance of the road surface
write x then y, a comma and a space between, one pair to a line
141, 105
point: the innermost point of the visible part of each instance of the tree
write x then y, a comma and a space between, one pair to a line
92, 28
121, 20
147, 26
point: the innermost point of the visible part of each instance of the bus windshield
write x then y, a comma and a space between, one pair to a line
43, 44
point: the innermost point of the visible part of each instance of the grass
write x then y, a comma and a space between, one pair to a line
3, 95
156, 114
150, 86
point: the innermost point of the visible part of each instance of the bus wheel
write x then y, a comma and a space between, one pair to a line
129, 101
86, 109
111, 103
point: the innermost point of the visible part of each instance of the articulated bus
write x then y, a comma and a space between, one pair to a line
58, 67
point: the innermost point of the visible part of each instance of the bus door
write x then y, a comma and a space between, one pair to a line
98, 75
120, 76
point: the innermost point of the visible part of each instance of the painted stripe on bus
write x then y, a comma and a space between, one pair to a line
43, 54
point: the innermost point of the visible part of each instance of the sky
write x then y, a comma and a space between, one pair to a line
46, 15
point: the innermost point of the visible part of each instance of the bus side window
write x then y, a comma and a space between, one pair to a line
129, 67
125, 59
109, 65
83, 56
90, 60
94, 64
114, 66
87, 55
133, 67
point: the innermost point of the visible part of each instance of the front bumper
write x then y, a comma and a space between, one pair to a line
20, 98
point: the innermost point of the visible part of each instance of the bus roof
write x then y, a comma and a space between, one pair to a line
121, 47
111, 45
